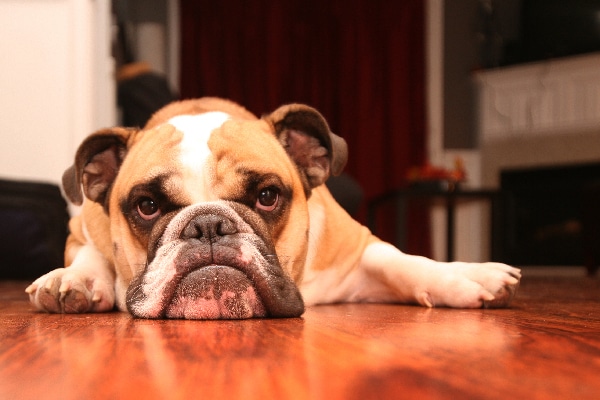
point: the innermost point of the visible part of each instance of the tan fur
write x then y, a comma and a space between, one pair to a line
93, 216
198, 106
338, 231
264, 154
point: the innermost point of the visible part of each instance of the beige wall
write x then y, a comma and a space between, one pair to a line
56, 83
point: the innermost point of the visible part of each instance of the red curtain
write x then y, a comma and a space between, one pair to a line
359, 62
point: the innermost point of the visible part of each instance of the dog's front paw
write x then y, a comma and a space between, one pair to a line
474, 285
65, 291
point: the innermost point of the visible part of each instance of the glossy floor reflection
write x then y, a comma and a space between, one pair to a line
546, 346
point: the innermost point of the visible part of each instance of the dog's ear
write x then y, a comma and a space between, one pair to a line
97, 163
306, 137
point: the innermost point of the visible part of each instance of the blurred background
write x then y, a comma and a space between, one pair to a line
509, 88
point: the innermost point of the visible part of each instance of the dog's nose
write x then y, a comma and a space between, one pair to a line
208, 227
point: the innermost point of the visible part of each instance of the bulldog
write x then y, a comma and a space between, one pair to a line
209, 212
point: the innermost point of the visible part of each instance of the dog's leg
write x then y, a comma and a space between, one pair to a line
411, 279
85, 286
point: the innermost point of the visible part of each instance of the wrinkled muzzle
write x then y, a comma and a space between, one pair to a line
210, 263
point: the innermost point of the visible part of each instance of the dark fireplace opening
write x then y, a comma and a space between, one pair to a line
551, 215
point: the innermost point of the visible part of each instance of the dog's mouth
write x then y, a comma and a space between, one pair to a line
215, 292
178, 284
214, 276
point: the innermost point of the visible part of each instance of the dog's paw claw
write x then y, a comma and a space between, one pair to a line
96, 298
487, 296
49, 285
31, 288
425, 299
65, 287
503, 296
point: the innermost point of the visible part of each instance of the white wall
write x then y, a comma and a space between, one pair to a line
56, 83
472, 227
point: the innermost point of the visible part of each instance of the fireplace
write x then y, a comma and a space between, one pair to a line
551, 214
539, 131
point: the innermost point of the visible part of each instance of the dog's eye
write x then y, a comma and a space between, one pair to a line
148, 208
267, 199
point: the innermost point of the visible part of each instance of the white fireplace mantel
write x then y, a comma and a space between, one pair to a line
539, 114
540, 98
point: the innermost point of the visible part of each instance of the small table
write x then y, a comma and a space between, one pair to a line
450, 196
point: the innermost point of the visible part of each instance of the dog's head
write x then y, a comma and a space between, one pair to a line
208, 206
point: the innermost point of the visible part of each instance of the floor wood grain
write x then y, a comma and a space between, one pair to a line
546, 346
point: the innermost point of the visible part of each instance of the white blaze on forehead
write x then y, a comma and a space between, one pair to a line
196, 131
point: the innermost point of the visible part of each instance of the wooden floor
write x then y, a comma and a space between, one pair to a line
547, 346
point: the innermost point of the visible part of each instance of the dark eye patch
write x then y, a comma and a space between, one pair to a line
256, 184
153, 191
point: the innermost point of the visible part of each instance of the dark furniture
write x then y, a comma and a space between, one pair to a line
33, 228
552, 215
450, 196
591, 228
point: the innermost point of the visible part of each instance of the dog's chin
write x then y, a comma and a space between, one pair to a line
215, 292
